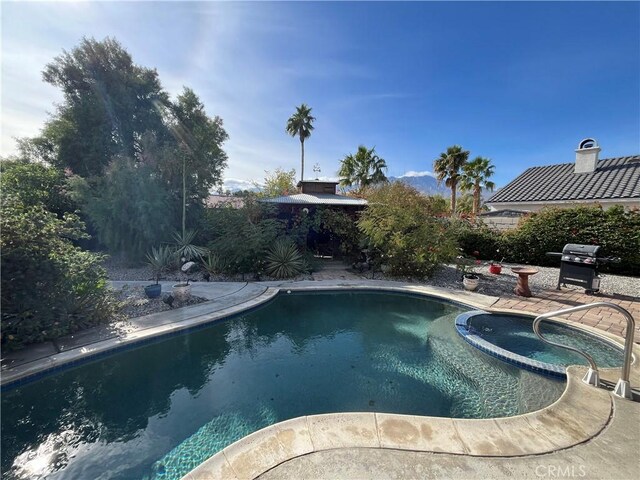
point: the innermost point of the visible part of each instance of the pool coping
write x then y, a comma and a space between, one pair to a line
31, 371
581, 413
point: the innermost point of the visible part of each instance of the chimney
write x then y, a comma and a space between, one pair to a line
587, 156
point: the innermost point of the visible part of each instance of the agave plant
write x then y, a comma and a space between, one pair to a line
184, 247
213, 263
160, 258
284, 260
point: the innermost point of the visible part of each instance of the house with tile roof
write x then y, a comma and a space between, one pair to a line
588, 180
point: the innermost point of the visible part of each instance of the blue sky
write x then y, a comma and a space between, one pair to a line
521, 83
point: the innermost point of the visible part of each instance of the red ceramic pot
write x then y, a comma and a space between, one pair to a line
495, 268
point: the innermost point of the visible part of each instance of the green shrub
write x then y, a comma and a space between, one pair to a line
616, 230
284, 260
36, 184
477, 240
242, 236
50, 288
129, 208
343, 227
400, 223
214, 263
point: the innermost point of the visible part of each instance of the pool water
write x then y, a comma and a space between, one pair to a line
157, 411
515, 334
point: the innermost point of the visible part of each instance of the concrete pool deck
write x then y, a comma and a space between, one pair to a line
586, 427
588, 431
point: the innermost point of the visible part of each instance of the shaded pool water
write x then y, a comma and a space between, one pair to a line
157, 411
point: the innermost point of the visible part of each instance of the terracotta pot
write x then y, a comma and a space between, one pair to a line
495, 268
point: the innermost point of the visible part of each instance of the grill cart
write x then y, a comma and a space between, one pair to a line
579, 266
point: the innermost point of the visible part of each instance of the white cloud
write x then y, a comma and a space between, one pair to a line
413, 173
235, 184
225, 52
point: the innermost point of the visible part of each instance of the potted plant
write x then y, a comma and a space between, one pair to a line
495, 267
159, 259
466, 267
182, 291
470, 281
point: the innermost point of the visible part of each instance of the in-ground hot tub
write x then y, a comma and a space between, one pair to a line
511, 338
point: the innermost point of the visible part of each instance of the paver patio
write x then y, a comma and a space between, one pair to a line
605, 319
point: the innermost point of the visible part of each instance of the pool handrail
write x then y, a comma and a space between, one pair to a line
623, 387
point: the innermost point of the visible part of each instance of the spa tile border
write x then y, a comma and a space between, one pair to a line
471, 337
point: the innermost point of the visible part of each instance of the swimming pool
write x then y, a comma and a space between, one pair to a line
160, 410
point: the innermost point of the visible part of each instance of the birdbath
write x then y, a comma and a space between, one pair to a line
522, 287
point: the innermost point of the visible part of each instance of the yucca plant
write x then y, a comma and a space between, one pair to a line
284, 260
160, 259
213, 263
184, 247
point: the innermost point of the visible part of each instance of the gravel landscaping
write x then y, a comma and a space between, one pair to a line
136, 304
448, 277
547, 278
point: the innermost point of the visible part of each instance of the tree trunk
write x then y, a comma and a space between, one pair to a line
302, 168
454, 184
184, 196
476, 199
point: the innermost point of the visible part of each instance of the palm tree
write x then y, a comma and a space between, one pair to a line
362, 169
447, 167
301, 124
476, 177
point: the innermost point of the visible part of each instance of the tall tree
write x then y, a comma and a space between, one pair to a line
300, 124
129, 207
475, 177
109, 102
363, 169
447, 167
198, 160
465, 204
277, 183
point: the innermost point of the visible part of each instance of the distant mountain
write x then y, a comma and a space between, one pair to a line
421, 181
428, 185
235, 185
424, 183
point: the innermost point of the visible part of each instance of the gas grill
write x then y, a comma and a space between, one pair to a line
579, 266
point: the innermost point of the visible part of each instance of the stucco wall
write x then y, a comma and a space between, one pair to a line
534, 207
501, 223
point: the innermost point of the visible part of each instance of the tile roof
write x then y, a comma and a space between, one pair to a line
224, 200
615, 178
316, 199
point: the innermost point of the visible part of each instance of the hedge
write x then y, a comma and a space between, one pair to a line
617, 231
